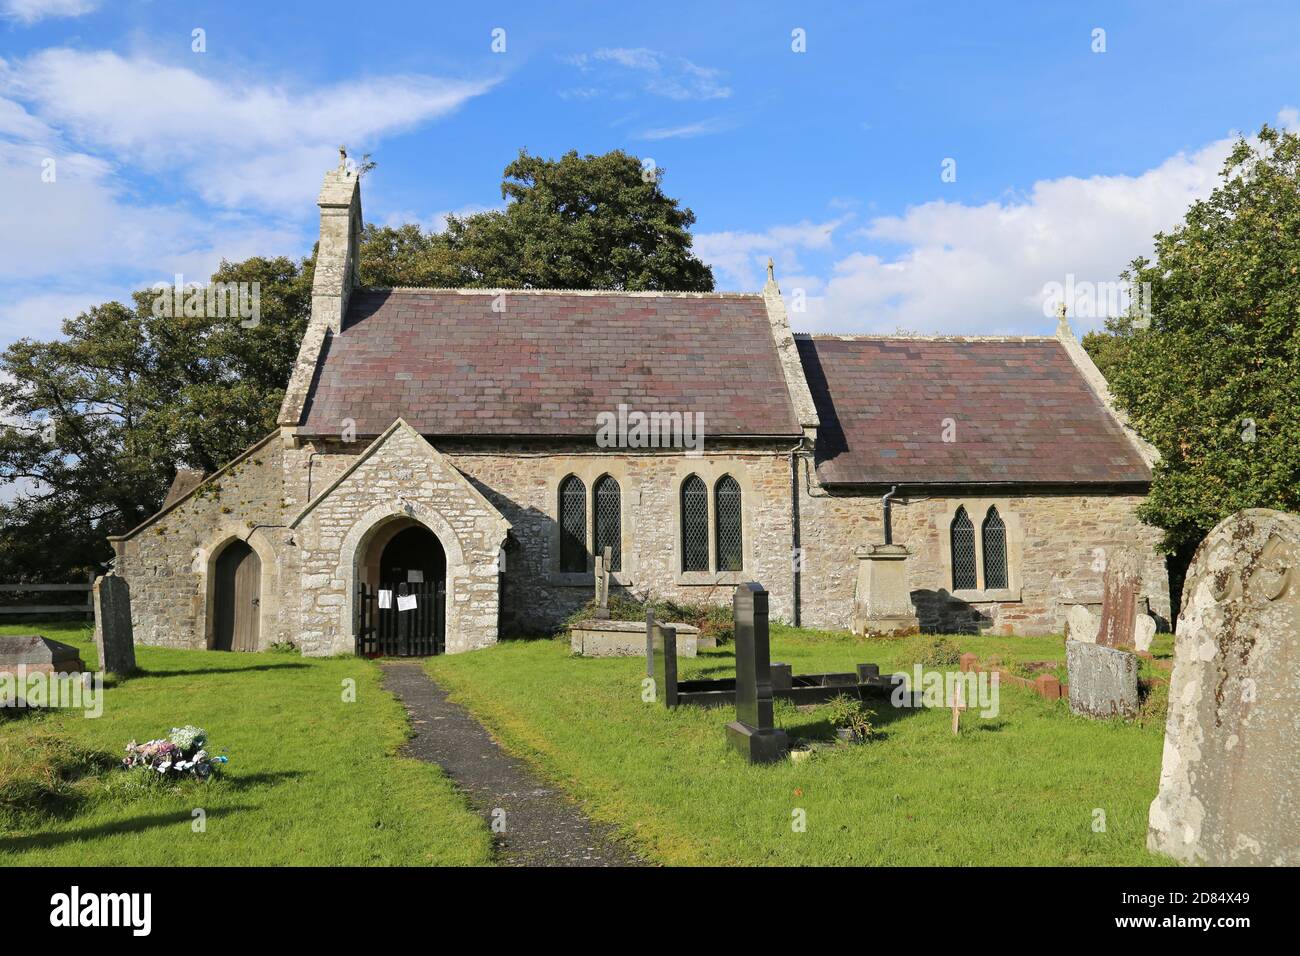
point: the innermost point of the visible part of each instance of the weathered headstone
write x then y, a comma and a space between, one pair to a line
1231, 769
753, 733
1119, 600
1103, 680
1081, 624
114, 637
603, 561
1144, 632
37, 654
882, 601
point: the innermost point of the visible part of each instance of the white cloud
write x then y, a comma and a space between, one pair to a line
739, 259
984, 268
234, 144
30, 11
41, 315
977, 269
661, 74
685, 131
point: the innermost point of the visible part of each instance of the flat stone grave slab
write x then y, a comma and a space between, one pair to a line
38, 654
596, 638
1103, 680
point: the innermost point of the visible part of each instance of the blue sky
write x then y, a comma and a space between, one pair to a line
1067, 160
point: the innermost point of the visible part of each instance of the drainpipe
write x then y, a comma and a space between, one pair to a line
889, 524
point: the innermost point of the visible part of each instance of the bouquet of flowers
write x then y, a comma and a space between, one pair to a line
180, 754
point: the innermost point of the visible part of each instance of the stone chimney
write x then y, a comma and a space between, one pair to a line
336, 276
340, 236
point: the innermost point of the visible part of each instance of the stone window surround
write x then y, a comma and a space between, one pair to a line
977, 510
711, 471
268, 585
589, 471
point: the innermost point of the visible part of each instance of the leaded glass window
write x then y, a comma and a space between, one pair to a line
573, 524
995, 550
609, 515
695, 524
726, 495
963, 552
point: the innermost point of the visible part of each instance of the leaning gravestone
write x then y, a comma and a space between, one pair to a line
114, 636
753, 733
1119, 600
1103, 680
1231, 771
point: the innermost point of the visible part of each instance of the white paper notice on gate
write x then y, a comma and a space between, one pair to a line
406, 602
385, 599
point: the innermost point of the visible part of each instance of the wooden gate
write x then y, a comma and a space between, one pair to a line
393, 632
236, 599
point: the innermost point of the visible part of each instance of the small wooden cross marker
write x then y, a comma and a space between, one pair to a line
957, 707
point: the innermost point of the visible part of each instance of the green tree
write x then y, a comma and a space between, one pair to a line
579, 222
1212, 378
100, 419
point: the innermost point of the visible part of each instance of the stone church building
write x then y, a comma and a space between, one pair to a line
447, 443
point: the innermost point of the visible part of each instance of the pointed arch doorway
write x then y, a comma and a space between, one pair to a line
403, 592
236, 598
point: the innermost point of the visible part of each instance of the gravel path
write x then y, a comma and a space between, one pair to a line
541, 827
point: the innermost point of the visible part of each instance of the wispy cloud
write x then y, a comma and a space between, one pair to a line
686, 130
31, 11
652, 71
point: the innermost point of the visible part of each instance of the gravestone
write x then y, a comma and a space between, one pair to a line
662, 650
1144, 632
1103, 680
1231, 768
1119, 600
114, 637
1081, 624
37, 654
882, 600
603, 560
753, 733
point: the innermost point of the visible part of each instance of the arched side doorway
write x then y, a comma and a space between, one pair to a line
236, 598
402, 594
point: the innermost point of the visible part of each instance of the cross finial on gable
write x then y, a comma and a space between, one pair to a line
771, 270
1062, 326
343, 159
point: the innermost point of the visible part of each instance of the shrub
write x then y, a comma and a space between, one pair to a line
930, 652
848, 713
713, 620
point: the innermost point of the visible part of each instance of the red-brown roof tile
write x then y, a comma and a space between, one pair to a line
1021, 410
549, 363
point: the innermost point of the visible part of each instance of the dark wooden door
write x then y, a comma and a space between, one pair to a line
237, 599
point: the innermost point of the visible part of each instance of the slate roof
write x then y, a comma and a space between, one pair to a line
1022, 411
549, 363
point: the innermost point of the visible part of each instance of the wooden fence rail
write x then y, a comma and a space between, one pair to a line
88, 608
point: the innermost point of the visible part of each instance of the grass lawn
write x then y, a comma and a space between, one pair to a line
1024, 787
311, 779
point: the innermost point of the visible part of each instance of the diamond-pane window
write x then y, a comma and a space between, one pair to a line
963, 551
573, 524
695, 524
727, 508
609, 533
995, 550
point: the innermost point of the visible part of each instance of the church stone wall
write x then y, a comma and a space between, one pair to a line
169, 562
524, 485
1058, 542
